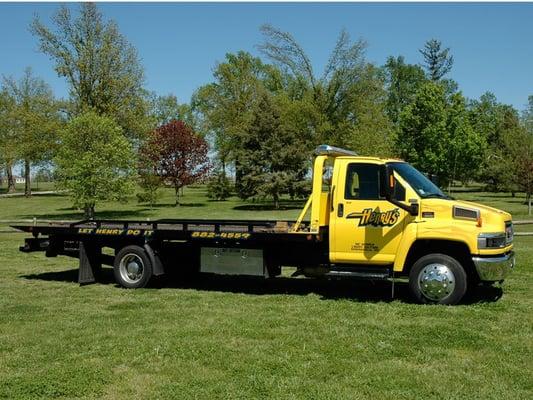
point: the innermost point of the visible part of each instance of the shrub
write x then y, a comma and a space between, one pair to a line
219, 187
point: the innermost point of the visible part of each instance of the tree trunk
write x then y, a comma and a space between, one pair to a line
10, 180
89, 211
529, 204
177, 192
27, 177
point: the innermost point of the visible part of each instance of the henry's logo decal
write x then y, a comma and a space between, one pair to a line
376, 218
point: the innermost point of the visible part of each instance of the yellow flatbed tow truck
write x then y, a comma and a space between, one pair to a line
367, 217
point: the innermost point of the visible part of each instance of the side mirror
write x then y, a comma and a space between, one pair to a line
388, 183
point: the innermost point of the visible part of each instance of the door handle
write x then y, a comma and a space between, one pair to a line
340, 210
332, 197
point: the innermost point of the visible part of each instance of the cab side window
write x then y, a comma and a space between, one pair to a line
362, 182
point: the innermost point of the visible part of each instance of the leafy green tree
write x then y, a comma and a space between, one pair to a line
494, 122
466, 148
327, 101
520, 149
101, 67
437, 60
519, 158
369, 131
35, 121
8, 139
422, 137
226, 104
527, 116
402, 82
95, 161
167, 108
149, 183
436, 136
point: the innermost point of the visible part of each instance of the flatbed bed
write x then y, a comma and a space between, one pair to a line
166, 240
172, 229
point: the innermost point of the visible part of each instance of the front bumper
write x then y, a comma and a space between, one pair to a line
494, 268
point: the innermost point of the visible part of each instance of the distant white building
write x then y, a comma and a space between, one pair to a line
19, 179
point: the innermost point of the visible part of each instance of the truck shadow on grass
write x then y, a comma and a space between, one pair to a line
353, 290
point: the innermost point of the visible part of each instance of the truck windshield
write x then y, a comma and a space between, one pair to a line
418, 181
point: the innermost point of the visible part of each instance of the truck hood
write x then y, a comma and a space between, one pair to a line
492, 219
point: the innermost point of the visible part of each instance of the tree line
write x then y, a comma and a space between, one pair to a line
252, 129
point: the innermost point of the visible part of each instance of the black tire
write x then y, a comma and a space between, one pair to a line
438, 279
134, 277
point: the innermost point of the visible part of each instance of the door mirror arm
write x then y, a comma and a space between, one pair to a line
412, 209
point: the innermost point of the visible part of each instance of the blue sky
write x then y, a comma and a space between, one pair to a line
179, 44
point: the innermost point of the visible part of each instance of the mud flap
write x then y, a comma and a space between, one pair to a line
90, 263
157, 265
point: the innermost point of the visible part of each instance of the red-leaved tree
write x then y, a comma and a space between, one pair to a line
176, 154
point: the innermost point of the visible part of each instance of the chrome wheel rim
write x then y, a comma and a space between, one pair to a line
131, 268
436, 281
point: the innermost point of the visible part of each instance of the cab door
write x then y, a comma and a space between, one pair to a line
365, 228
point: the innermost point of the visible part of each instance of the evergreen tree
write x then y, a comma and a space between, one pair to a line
437, 61
270, 159
219, 186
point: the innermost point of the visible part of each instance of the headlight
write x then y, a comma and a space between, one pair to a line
492, 240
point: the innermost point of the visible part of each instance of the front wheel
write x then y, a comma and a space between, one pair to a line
132, 267
437, 279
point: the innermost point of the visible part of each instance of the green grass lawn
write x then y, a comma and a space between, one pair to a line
35, 186
194, 204
247, 338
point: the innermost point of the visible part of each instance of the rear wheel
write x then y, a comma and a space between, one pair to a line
437, 279
132, 267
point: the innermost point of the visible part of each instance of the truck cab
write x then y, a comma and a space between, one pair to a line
383, 213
